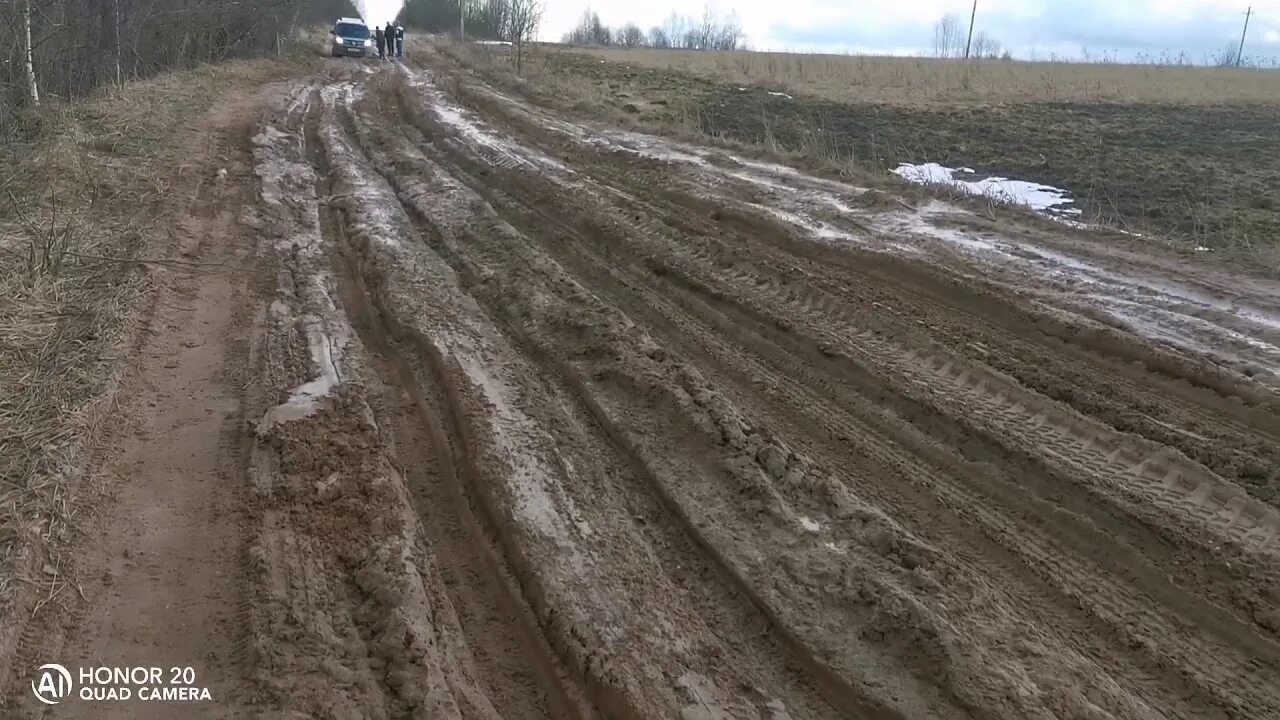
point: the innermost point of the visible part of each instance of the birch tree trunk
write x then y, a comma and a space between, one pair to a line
115, 11
32, 89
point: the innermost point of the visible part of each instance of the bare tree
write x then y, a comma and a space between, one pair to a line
676, 28
1228, 56
66, 48
710, 32
33, 90
589, 31
630, 36
704, 31
985, 46
727, 34
522, 26
948, 37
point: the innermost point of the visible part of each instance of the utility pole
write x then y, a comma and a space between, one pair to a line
972, 16
1240, 53
462, 18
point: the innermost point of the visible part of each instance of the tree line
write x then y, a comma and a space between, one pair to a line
710, 32
513, 21
486, 19
65, 48
951, 40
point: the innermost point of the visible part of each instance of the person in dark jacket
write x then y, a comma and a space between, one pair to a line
390, 34
381, 41
399, 40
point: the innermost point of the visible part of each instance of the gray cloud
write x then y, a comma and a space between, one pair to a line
1065, 28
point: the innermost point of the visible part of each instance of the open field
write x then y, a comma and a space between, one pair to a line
913, 81
449, 403
1181, 153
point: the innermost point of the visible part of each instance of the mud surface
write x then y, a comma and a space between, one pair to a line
551, 420
588, 423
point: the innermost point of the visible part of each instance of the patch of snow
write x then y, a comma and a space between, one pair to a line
478, 132
1201, 248
781, 94
327, 336
757, 180
810, 525
784, 171
924, 221
817, 228
493, 42
299, 96
962, 239
653, 148
1044, 199
288, 182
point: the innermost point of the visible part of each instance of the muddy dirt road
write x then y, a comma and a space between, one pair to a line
549, 420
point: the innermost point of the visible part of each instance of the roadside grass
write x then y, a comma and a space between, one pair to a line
912, 80
1197, 168
84, 190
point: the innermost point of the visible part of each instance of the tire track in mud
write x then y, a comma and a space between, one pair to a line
811, 302
813, 274
759, 621
1154, 627
522, 676
1193, 612
1046, 549
887, 457
1199, 435
750, 635
1201, 424
952, 320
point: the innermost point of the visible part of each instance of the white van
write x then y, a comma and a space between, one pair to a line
351, 37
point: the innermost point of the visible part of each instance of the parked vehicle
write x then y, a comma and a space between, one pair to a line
351, 37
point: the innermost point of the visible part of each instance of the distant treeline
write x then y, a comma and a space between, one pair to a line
65, 48
710, 32
486, 19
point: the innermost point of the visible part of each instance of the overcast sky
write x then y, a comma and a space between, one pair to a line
1030, 28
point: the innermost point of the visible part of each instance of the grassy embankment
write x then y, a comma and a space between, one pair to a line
1185, 153
85, 187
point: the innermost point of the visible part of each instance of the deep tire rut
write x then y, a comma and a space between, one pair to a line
579, 256
642, 440
520, 673
663, 515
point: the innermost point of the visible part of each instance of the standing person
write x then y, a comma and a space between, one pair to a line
381, 41
399, 40
391, 39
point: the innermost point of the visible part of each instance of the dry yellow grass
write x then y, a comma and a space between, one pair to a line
83, 187
862, 78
